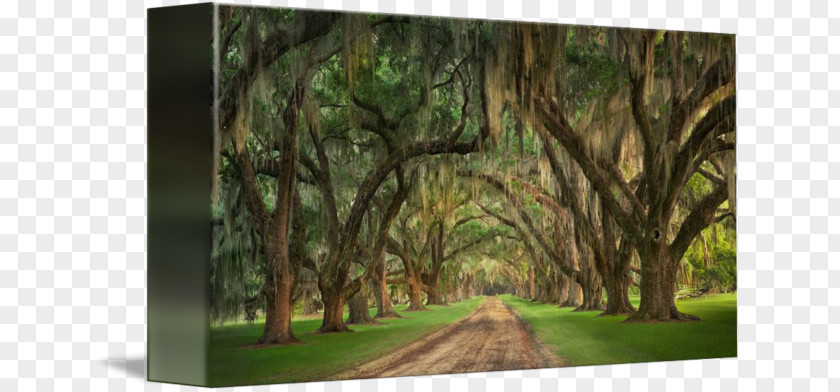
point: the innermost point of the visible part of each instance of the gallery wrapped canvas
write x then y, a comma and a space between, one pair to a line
397, 195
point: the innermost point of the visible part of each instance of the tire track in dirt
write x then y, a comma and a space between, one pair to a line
490, 338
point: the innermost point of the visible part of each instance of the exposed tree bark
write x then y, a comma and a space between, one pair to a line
590, 284
359, 309
553, 291
274, 228
612, 268
333, 311
563, 283
384, 306
433, 296
281, 281
617, 284
667, 165
281, 266
415, 296
467, 287
278, 317
310, 304
307, 289
574, 293
431, 278
529, 293
333, 279
542, 292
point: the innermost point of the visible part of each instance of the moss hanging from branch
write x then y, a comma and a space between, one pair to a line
357, 46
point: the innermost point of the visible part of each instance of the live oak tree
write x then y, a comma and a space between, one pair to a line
266, 37
456, 81
554, 162
684, 117
432, 239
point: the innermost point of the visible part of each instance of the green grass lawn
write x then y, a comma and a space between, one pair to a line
583, 339
322, 355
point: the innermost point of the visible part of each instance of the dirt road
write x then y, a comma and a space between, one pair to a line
490, 338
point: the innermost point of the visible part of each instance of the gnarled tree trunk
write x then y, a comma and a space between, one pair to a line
331, 284
617, 282
431, 287
589, 280
562, 289
658, 286
333, 314
433, 296
618, 298
466, 287
553, 294
574, 295
415, 294
531, 283
384, 306
310, 304
278, 315
615, 270
284, 264
592, 295
359, 309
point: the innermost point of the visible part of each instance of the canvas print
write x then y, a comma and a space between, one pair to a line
403, 195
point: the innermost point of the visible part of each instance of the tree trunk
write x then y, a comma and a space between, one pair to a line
310, 304
618, 299
415, 295
278, 315
333, 314
573, 296
542, 292
657, 287
280, 281
384, 306
531, 284
466, 287
359, 309
451, 294
617, 283
562, 289
431, 280
614, 267
553, 292
593, 295
592, 288
432, 291
395, 293
333, 300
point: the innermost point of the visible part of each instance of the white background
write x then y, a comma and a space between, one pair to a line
72, 196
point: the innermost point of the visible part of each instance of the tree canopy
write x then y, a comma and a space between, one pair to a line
396, 158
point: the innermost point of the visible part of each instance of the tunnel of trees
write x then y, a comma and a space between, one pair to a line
373, 160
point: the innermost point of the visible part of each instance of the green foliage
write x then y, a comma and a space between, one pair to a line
399, 64
711, 261
721, 274
697, 187
592, 73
